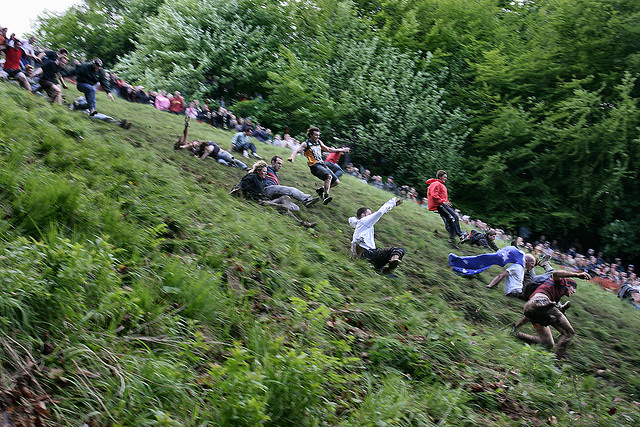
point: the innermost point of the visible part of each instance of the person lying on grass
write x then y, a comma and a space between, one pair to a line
204, 149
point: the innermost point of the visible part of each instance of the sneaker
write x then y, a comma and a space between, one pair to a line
93, 113
245, 154
464, 238
320, 191
326, 199
311, 202
256, 155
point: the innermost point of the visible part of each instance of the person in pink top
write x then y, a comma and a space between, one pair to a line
162, 102
438, 200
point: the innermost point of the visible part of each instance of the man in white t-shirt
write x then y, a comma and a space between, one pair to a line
513, 277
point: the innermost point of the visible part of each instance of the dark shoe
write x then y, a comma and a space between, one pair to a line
320, 191
326, 199
311, 202
514, 331
93, 113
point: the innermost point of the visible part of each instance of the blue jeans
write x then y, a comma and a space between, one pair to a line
89, 93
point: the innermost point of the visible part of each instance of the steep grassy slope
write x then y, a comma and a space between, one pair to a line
135, 291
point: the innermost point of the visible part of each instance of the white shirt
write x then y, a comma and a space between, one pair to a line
513, 282
363, 233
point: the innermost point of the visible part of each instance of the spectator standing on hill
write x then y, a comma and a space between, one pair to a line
543, 310
312, 149
177, 103
438, 200
88, 74
363, 243
241, 142
274, 190
13, 54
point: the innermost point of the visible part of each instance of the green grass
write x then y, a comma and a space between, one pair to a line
146, 295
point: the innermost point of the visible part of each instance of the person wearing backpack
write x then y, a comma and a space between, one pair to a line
542, 309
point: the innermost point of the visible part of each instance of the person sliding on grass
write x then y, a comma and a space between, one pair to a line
363, 244
543, 309
313, 149
203, 149
252, 186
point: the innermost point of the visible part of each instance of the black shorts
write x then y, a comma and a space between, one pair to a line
320, 171
12, 73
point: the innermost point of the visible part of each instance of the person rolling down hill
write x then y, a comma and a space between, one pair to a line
543, 310
363, 244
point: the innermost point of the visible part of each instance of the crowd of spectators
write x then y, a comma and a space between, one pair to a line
41, 70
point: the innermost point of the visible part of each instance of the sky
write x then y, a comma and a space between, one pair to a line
18, 17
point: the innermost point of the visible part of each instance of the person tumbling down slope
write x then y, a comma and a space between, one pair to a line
469, 265
543, 309
363, 244
313, 149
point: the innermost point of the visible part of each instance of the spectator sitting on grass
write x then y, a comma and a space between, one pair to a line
162, 103
13, 54
176, 103
242, 144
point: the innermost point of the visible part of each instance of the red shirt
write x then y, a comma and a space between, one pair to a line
554, 290
436, 193
177, 104
12, 58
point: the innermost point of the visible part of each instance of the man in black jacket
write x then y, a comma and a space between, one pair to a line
88, 74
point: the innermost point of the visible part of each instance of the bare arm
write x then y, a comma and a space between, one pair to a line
334, 150
297, 151
499, 278
563, 274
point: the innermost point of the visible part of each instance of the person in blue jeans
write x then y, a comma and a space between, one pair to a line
88, 74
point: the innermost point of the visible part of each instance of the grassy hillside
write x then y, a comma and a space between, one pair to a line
135, 291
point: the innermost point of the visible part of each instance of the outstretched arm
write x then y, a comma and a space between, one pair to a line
297, 151
499, 278
182, 141
563, 274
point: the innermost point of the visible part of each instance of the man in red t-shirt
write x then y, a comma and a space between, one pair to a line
543, 310
13, 54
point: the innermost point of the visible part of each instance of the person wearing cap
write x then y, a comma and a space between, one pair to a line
88, 74
543, 310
